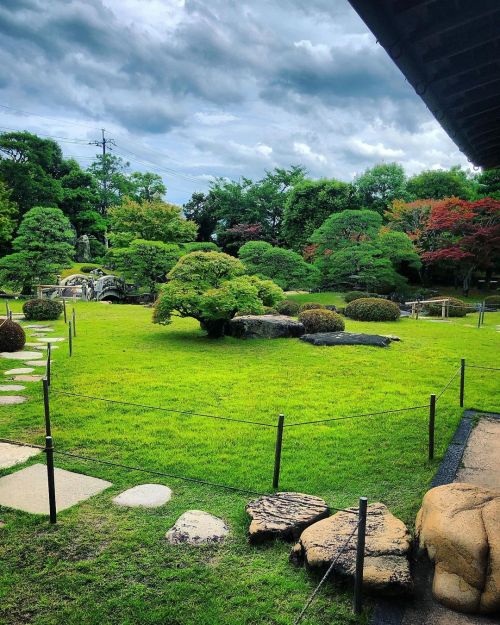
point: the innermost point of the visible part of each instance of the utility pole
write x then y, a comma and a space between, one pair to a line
102, 144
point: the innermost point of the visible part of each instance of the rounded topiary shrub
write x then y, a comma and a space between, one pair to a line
311, 306
321, 320
42, 309
351, 296
493, 301
457, 307
12, 336
372, 309
288, 307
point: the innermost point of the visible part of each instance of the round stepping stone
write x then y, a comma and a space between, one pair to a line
28, 378
43, 330
37, 363
144, 496
21, 355
196, 527
36, 325
11, 387
52, 339
284, 515
37, 345
11, 400
19, 371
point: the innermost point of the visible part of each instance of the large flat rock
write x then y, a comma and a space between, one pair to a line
10, 455
196, 527
28, 378
26, 489
19, 371
329, 339
264, 327
5, 388
12, 400
22, 355
283, 515
144, 496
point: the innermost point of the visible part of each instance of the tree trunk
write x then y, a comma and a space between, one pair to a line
214, 327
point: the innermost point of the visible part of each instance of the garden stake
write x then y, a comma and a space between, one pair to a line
7, 309
65, 313
46, 406
277, 455
360, 556
482, 315
432, 418
462, 382
49, 354
49, 450
70, 336
73, 316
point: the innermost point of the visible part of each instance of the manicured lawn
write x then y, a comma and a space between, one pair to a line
103, 564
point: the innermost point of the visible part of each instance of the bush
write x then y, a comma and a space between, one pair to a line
288, 307
493, 301
311, 306
12, 336
351, 296
372, 309
457, 307
321, 320
88, 268
42, 309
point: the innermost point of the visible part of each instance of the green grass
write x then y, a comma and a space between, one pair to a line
103, 564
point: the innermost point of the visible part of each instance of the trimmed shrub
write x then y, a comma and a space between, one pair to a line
88, 268
350, 296
493, 301
269, 310
42, 309
311, 306
372, 309
288, 307
321, 320
457, 307
12, 336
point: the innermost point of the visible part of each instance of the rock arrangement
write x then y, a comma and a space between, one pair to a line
144, 496
196, 527
346, 338
459, 527
264, 327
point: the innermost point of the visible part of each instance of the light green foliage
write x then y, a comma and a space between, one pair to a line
8, 212
437, 184
398, 248
285, 267
110, 173
380, 185
309, 203
146, 186
345, 229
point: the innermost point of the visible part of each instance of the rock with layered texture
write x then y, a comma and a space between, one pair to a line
386, 567
459, 526
264, 327
329, 339
283, 515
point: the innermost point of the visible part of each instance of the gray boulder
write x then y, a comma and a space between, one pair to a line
264, 327
346, 338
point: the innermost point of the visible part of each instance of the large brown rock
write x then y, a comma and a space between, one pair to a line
459, 526
283, 515
264, 327
386, 568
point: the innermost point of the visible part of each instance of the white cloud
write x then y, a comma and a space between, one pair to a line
319, 51
378, 150
214, 119
304, 150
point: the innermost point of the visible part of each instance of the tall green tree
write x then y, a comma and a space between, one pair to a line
489, 183
201, 209
436, 184
110, 173
380, 185
345, 229
146, 186
8, 213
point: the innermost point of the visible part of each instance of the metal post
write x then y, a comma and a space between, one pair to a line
462, 382
49, 450
360, 556
7, 309
10, 315
65, 313
432, 419
479, 315
49, 355
46, 406
73, 316
443, 309
70, 337
482, 313
277, 455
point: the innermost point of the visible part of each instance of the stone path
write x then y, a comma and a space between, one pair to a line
22, 355
5, 388
196, 527
19, 371
12, 400
10, 455
144, 496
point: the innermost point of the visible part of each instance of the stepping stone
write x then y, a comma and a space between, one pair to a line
195, 527
43, 330
284, 515
37, 345
28, 378
37, 363
19, 371
52, 339
37, 326
11, 400
144, 496
26, 489
11, 387
10, 455
22, 355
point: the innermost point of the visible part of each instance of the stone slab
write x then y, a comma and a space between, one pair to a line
47, 329
19, 371
36, 345
11, 400
52, 339
10, 455
38, 326
26, 489
22, 355
28, 378
4, 388
144, 496
37, 363
481, 460
329, 339
196, 527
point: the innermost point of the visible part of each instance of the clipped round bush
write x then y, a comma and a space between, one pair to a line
88, 268
457, 307
42, 309
372, 309
321, 320
493, 301
351, 296
269, 310
12, 336
288, 307
311, 306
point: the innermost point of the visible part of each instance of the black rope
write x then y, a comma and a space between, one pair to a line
356, 416
451, 380
183, 412
487, 368
20, 443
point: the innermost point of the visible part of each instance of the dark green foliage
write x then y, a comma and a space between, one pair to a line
372, 309
350, 296
199, 246
288, 307
493, 301
321, 320
436, 184
310, 306
42, 309
88, 268
457, 307
379, 186
12, 336
489, 183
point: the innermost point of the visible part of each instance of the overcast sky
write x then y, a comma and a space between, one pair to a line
200, 88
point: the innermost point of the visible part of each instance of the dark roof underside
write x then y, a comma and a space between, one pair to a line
449, 50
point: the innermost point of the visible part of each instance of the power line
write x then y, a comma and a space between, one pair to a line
62, 121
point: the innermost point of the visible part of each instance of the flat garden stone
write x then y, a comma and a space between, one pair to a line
19, 371
21, 355
28, 378
11, 400
38, 326
26, 489
10, 455
144, 496
46, 329
284, 515
196, 527
37, 363
36, 345
52, 339
11, 387
329, 339
264, 327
